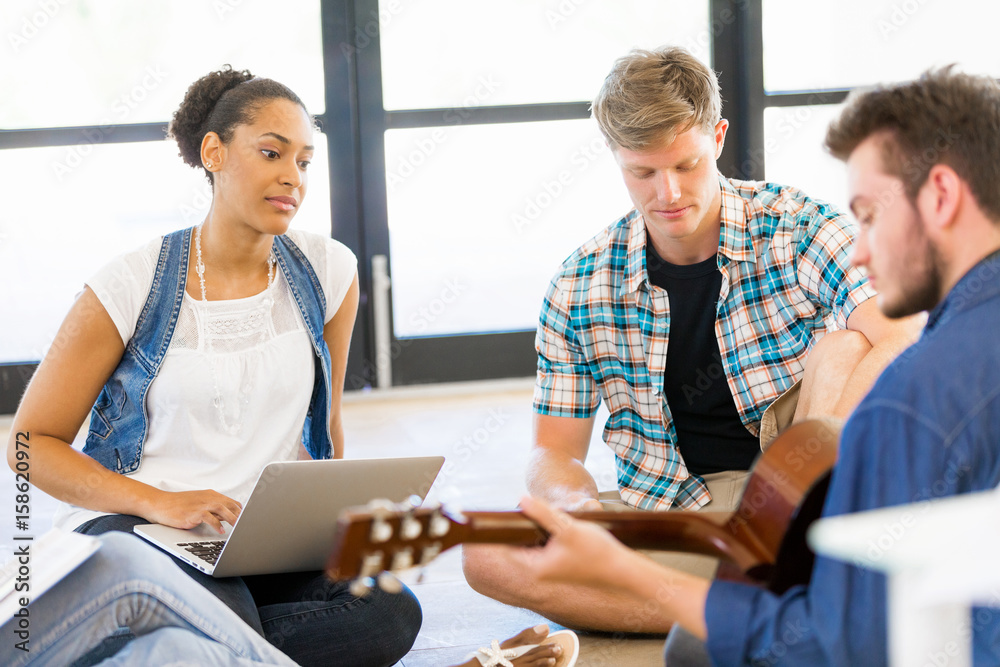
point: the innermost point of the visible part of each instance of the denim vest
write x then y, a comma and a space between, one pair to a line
119, 423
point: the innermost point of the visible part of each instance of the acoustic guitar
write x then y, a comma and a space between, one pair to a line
763, 541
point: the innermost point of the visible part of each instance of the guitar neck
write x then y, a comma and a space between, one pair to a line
663, 531
784, 493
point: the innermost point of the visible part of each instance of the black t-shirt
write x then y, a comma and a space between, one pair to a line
710, 434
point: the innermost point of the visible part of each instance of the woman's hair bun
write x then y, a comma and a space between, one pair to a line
199, 101
218, 102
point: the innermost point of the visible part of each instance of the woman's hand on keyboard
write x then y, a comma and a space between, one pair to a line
188, 509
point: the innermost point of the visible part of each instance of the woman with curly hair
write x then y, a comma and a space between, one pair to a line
208, 353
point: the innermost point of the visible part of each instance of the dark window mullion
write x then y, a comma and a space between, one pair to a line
751, 26
738, 58
341, 125
461, 358
520, 113
805, 98
364, 47
45, 137
87, 134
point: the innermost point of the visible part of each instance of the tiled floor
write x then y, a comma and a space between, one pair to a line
484, 432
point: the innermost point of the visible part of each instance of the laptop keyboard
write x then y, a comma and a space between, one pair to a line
207, 551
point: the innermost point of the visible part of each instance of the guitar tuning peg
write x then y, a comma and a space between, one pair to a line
381, 507
361, 587
389, 583
411, 503
439, 526
430, 552
410, 528
372, 564
381, 531
403, 559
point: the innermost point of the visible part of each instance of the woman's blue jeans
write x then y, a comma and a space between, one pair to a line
311, 619
129, 587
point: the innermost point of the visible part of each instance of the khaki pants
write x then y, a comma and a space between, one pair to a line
726, 488
779, 415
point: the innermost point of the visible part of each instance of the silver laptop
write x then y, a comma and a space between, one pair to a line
287, 523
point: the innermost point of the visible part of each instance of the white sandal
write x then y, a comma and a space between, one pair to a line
494, 656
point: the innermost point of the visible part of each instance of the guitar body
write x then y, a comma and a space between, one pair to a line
763, 541
784, 495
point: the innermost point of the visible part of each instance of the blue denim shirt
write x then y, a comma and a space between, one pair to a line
119, 423
929, 428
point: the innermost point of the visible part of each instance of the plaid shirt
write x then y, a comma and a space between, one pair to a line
603, 329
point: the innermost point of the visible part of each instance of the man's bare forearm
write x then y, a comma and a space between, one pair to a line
887, 339
867, 371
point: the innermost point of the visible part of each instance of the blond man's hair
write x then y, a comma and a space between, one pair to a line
651, 96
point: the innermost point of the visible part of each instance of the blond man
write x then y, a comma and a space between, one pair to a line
690, 317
